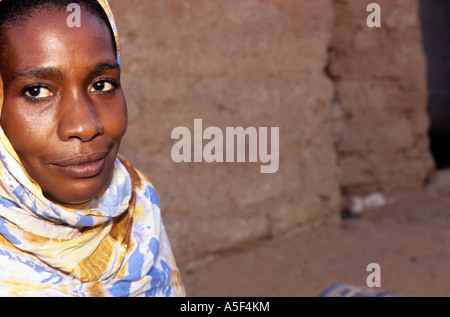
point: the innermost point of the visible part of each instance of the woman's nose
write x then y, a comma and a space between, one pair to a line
78, 119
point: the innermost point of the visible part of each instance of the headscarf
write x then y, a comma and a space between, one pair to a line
114, 245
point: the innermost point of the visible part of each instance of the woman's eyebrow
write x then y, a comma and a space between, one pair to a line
31, 73
54, 73
100, 68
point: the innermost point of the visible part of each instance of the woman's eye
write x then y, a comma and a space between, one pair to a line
103, 86
38, 92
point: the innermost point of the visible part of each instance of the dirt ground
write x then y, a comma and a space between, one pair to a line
410, 240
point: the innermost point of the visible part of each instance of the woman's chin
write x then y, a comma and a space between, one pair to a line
79, 195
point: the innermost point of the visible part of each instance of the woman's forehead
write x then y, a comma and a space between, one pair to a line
54, 18
46, 40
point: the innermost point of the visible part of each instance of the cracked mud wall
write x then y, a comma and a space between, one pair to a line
381, 92
306, 67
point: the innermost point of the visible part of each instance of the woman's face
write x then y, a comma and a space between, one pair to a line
64, 111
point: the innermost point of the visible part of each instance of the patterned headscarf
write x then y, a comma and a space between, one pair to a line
114, 245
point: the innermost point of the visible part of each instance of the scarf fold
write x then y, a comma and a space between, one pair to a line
114, 245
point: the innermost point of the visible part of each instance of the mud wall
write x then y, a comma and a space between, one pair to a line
381, 95
349, 102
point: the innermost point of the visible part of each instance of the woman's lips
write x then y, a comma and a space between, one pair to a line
83, 166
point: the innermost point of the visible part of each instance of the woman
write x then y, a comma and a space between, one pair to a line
75, 219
